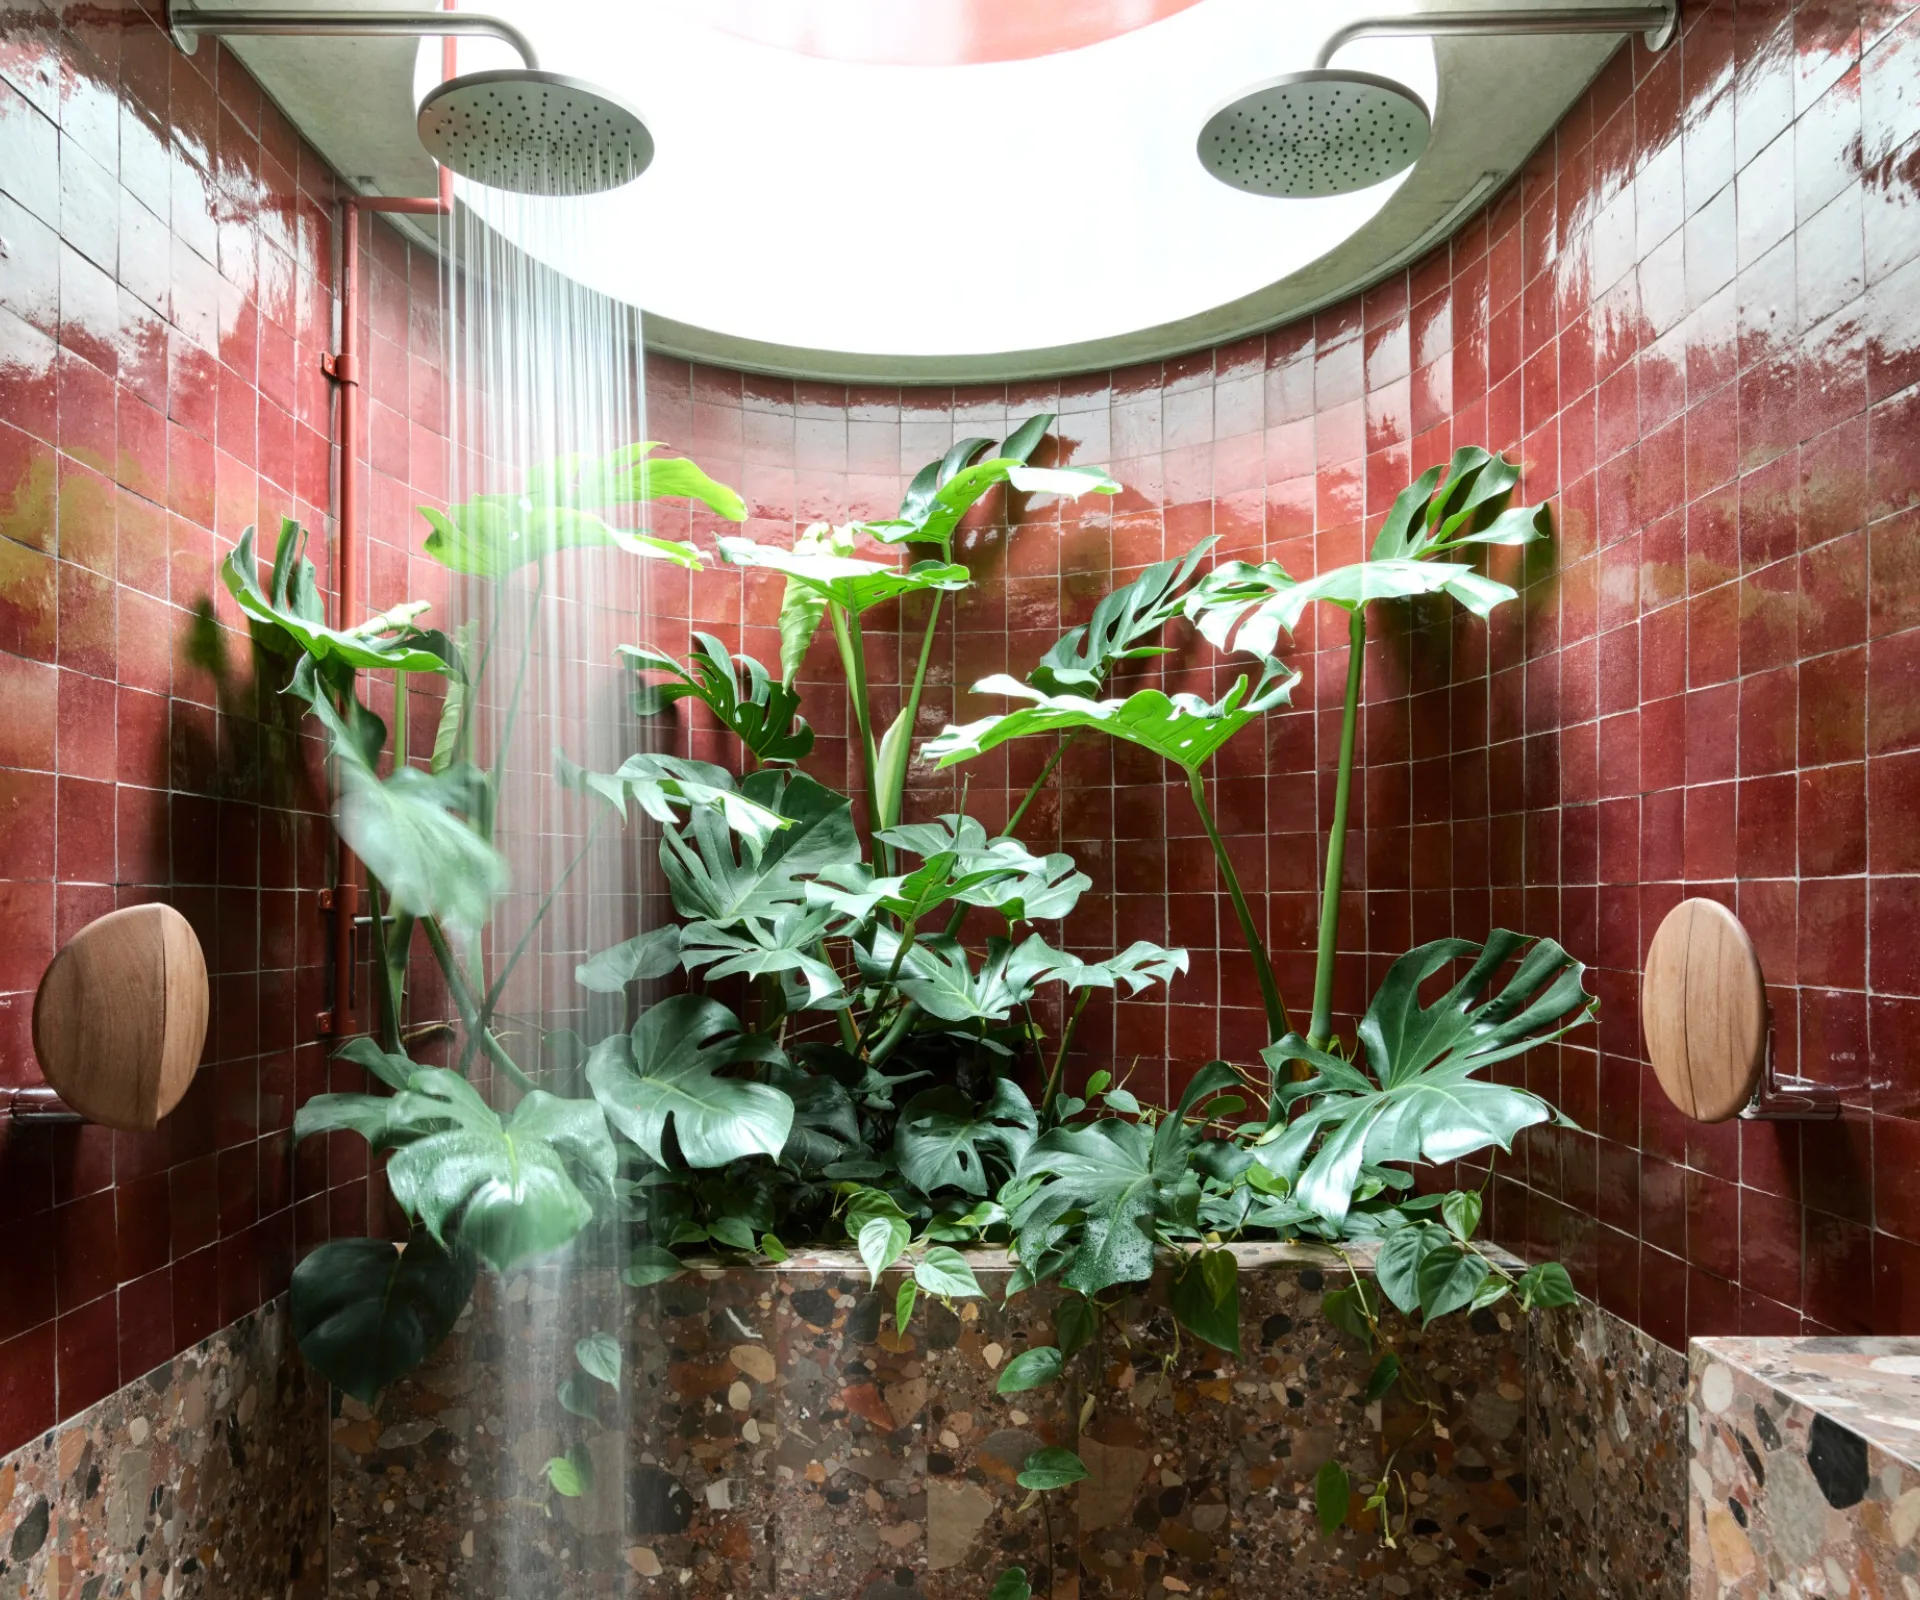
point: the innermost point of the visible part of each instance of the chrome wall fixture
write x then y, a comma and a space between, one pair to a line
1306, 135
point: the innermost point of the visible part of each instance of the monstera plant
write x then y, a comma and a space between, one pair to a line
838, 1039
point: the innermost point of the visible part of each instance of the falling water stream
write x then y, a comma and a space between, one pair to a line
544, 377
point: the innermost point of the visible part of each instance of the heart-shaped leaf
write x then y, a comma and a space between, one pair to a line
366, 1313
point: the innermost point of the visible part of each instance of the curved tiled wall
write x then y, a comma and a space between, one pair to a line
1695, 319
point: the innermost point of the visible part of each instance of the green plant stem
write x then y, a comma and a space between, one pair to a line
892, 978
920, 671
1256, 947
462, 994
1060, 1055
896, 1031
1320, 1029
1034, 788
849, 1037
389, 985
498, 986
853, 652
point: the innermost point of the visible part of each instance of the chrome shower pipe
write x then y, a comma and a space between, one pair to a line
187, 22
1656, 23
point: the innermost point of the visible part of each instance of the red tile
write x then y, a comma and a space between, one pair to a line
27, 1384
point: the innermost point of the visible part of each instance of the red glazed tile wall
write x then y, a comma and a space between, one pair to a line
166, 290
1695, 319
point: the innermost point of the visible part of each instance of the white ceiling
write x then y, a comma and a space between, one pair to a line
837, 219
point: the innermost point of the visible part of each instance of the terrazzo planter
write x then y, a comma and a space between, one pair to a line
204, 1478
773, 1435
1805, 1477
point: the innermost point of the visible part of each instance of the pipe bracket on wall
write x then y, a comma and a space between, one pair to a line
186, 23
1703, 1008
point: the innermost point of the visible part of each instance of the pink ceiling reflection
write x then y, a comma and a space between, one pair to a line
930, 33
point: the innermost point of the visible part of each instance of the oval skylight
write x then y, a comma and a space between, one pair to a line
899, 207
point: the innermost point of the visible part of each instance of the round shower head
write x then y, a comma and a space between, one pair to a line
534, 132
1312, 134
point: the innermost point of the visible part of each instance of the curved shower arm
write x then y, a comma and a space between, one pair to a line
187, 22
1658, 22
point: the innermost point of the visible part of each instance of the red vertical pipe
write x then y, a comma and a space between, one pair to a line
346, 876
346, 372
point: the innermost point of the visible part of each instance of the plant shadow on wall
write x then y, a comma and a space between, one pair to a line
880, 1076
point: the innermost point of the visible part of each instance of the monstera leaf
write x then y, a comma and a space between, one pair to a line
1014, 881
1078, 663
412, 832
762, 714
944, 491
713, 881
658, 783
1183, 728
1247, 607
668, 1071
765, 946
944, 1140
1419, 1098
1045, 894
844, 580
649, 955
508, 1184
493, 534
1133, 1185
366, 1312
855, 892
292, 608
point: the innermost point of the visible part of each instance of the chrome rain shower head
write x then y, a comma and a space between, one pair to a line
1312, 134
521, 128
534, 133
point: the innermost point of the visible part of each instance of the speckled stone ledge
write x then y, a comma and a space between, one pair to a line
773, 1435
1608, 1461
205, 1478
1805, 1477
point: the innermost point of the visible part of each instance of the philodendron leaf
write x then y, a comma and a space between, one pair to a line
365, 1312
648, 1265
1419, 1100
1331, 1495
1011, 1585
509, 1184
1182, 728
882, 1240
599, 1356
1030, 1369
1546, 1285
1205, 1296
1461, 1213
1052, 1468
945, 1140
649, 955
943, 1272
1122, 624
763, 714
845, 581
572, 1474
667, 1070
